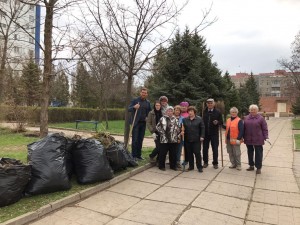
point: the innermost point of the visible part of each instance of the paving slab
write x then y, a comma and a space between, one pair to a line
236, 179
75, 215
231, 190
153, 212
277, 185
273, 214
208, 174
154, 178
222, 204
188, 183
277, 198
173, 195
134, 188
196, 216
118, 221
109, 203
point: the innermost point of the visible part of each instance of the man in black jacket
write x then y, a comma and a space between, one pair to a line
193, 131
212, 120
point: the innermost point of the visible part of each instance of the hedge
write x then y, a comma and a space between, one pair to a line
61, 114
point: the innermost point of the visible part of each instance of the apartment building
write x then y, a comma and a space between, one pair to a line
23, 32
276, 89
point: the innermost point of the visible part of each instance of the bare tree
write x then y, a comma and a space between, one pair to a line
293, 64
136, 29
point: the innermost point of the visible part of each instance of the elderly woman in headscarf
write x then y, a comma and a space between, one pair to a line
169, 131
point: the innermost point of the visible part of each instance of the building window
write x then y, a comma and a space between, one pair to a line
17, 49
3, 25
31, 40
31, 18
31, 7
15, 37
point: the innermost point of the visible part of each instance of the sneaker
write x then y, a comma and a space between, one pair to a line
250, 168
140, 158
179, 166
232, 166
163, 169
200, 170
216, 166
189, 169
239, 168
184, 163
205, 165
258, 171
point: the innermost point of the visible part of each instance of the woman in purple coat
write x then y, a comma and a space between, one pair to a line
255, 135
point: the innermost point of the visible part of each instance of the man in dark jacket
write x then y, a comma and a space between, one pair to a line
193, 131
212, 120
141, 106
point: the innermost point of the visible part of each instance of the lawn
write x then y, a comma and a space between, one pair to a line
114, 126
296, 124
297, 141
14, 146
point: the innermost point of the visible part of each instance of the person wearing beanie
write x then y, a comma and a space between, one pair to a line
169, 131
164, 104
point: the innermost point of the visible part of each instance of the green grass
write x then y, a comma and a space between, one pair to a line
114, 126
297, 141
296, 124
14, 146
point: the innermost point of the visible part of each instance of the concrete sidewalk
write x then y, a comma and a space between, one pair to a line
215, 197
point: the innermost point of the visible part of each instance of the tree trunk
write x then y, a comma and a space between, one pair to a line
2, 69
47, 68
127, 114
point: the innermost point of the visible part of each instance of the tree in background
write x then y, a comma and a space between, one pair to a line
81, 92
231, 98
185, 71
31, 83
248, 94
59, 94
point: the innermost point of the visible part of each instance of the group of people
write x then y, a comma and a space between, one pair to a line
179, 127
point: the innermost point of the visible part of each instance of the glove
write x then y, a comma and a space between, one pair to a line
201, 139
238, 142
154, 136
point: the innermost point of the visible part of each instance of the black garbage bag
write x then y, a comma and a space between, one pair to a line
14, 176
130, 160
116, 157
90, 162
71, 144
48, 158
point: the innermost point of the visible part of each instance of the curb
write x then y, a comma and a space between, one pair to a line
44, 210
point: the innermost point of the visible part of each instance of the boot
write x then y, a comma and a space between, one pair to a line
258, 171
250, 168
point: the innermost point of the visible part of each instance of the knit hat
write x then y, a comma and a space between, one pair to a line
186, 104
163, 98
169, 107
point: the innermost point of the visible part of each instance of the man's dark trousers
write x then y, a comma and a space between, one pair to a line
138, 133
258, 155
214, 140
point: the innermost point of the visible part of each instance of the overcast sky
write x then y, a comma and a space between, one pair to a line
250, 35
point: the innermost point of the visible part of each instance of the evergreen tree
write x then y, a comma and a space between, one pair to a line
31, 83
296, 107
249, 94
231, 98
185, 71
60, 89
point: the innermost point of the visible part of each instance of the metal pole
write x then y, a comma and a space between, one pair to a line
220, 128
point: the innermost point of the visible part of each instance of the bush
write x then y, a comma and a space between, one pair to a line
64, 114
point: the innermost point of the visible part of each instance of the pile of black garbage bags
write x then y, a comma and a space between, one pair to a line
53, 161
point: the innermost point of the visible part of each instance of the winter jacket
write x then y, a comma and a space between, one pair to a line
255, 130
151, 122
193, 129
145, 110
208, 118
169, 129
